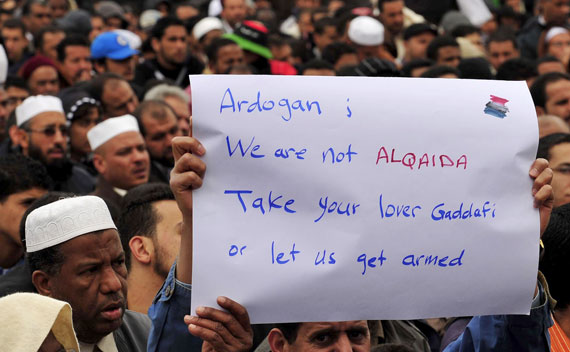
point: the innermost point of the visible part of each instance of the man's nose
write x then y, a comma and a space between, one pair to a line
343, 344
110, 281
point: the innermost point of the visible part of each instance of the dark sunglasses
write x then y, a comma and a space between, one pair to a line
51, 131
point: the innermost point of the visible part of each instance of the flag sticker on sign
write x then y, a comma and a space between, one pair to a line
496, 107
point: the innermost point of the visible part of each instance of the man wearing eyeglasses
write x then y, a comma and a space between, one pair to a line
42, 135
36, 15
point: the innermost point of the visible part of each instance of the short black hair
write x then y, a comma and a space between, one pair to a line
19, 173
16, 81
162, 24
440, 70
463, 30
334, 51
432, 50
15, 23
538, 88
323, 23
48, 260
546, 143
414, 64
554, 264
39, 39
215, 46
503, 35
475, 68
97, 85
517, 69
138, 218
316, 64
70, 40
382, 2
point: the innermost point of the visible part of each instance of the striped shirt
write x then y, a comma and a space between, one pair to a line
558, 340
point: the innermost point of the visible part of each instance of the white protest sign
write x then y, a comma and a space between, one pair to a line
337, 198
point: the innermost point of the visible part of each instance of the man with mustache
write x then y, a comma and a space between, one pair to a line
158, 125
42, 135
120, 156
74, 59
75, 255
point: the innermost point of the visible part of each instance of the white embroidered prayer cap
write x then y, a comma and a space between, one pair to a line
64, 220
553, 32
206, 25
366, 31
35, 105
111, 128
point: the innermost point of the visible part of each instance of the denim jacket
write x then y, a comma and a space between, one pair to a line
171, 304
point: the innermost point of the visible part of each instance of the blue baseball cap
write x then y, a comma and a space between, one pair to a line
111, 45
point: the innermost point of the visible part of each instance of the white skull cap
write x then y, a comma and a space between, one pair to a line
110, 128
35, 105
64, 220
366, 31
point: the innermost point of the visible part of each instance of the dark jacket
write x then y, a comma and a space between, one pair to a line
528, 37
114, 200
151, 70
18, 279
132, 336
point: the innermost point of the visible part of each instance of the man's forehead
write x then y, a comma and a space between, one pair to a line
76, 50
167, 207
501, 44
48, 118
93, 245
557, 87
335, 325
560, 154
124, 139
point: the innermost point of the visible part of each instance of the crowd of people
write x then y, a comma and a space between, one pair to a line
97, 162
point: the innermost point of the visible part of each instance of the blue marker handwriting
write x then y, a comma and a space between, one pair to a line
285, 106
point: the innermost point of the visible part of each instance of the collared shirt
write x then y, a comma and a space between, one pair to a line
106, 344
119, 191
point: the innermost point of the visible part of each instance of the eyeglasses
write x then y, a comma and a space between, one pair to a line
50, 131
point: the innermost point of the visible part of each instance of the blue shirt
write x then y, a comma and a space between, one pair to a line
508, 332
171, 304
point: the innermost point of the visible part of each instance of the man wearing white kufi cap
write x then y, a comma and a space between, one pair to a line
75, 255
366, 34
120, 157
42, 135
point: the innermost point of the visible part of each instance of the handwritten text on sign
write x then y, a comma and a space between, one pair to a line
363, 198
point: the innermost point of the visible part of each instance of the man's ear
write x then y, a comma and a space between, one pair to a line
99, 163
540, 111
42, 283
277, 341
155, 44
141, 249
21, 138
98, 67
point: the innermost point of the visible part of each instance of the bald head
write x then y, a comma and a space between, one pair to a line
549, 124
